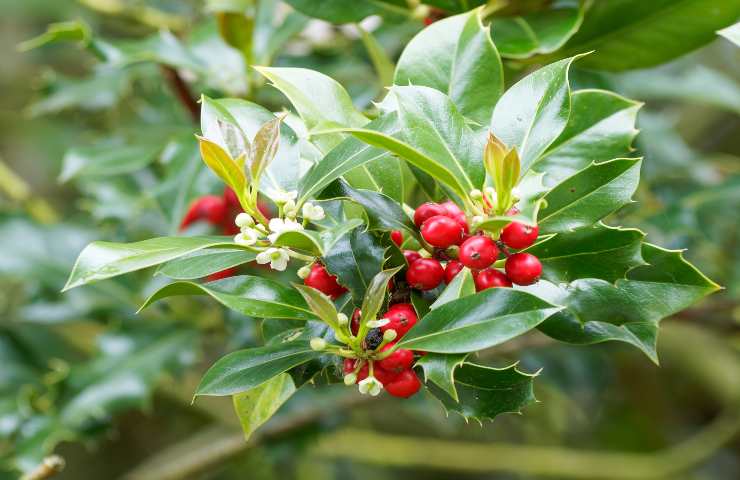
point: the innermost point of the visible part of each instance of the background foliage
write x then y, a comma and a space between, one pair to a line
97, 143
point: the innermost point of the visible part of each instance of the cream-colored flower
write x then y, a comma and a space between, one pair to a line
247, 237
281, 197
313, 212
276, 257
290, 209
370, 385
279, 225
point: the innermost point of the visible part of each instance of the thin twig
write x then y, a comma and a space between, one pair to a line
182, 91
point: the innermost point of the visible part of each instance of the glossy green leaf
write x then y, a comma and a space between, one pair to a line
375, 296
628, 34
532, 113
466, 65
320, 101
599, 252
243, 370
355, 259
485, 392
251, 296
75, 31
537, 32
601, 127
479, 321
382, 212
101, 260
107, 159
320, 305
460, 286
205, 262
256, 406
341, 11
590, 195
306, 240
628, 311
439, 368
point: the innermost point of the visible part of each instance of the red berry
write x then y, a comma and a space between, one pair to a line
228, 272
462, 220
397, 361
349, 367
210, 208
405, 385
323, 281
523, 268
397, 237
425, 274
453, 268
411, 256
490, 278
232, 201
518, 235
478, 252
355, 323
402, 317
426, 211
442, 231
452, 209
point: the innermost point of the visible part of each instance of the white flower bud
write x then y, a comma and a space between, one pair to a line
350, 379
342, 319
478, 219
290, 209
244, 220
318, 344
304, 271
476, 194
312, 212
378, 323
390, 335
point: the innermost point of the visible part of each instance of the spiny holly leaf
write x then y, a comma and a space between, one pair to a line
479, 321
243, 370
599, 252
532, 114
439, 368
590, 195
341, 11
466, 64
205, 262
355, 259
537, 32
628, 311
484, 392
101, 260
601, 127
254, 407
382, 212
251, 296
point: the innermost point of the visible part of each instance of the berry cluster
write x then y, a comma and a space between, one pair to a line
445, 229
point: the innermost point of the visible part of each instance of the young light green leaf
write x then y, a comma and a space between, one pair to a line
320, 305
479, 321
204, 262
375, 296
532, 114
381, 61
243, 370
601, 127
230, 170
256, 406
251, 296
590, 195
265, 146
101, 260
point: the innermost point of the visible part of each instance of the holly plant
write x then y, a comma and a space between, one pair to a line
510, 228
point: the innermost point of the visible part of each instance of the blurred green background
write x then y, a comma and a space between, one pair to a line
103, 149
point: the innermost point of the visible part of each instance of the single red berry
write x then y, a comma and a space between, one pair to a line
349, 367
427, 211
411, 256
228, 272
210, 208
397, 361
453, 268
478, 252
355, 323
518, 235
462, 220
405, 385
232, 201
384, 376
523, 268
490, 278
452, 209
402, 317
441, 231
397, 237
323, 281
425, 274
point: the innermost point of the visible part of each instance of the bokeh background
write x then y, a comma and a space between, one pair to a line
93, 149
